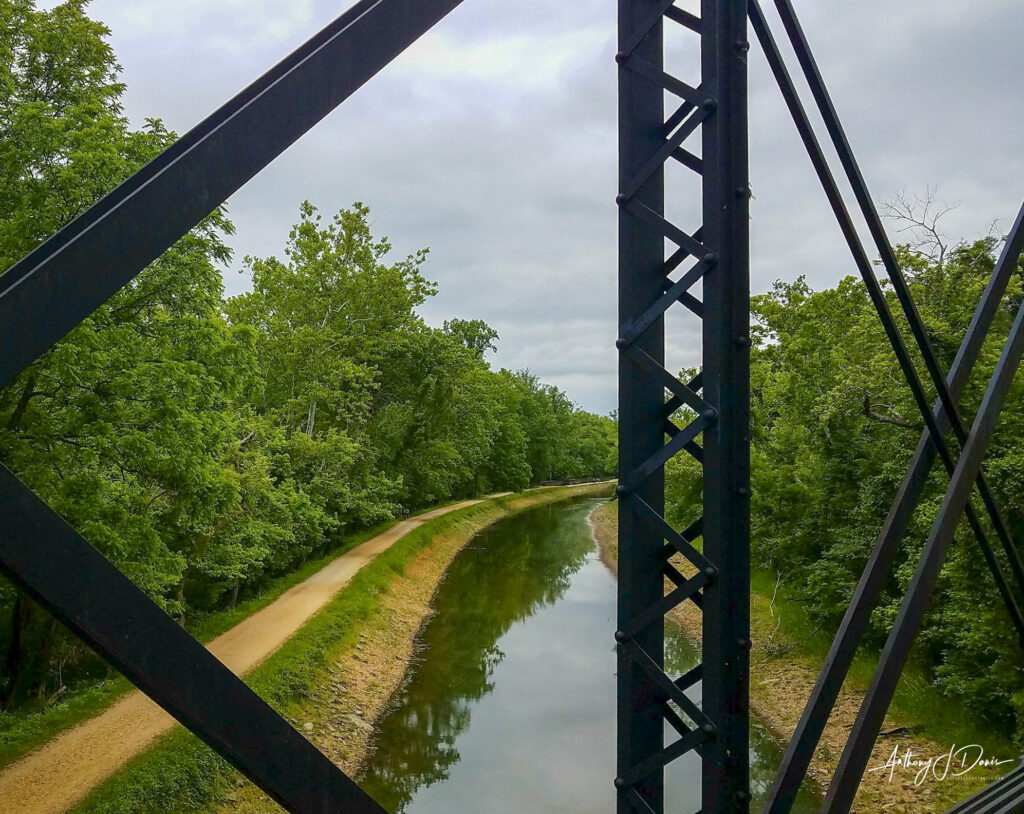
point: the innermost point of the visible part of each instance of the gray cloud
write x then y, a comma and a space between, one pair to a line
492, 140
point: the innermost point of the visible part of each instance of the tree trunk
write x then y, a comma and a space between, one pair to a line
14, 663
180, 597
26, 397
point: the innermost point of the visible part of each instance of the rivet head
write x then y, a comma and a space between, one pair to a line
710, 414
743, 642
710, 258
621, 57
742, 341
711, 572
621, 343
742, 796
743, 46
708, 728
621, 490
621, 199
709, 105
743, 491
742, 192
620, 783
620, 636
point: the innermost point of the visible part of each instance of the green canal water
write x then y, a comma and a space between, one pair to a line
511, 705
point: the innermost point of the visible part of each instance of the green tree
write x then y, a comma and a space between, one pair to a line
833, 430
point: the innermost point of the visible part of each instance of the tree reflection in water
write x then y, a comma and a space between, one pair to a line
544, 739
506, 574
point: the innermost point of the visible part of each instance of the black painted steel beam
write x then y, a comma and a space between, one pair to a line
875, 292
51, 290
837, 134
807, 734
894, 655
65, 279
641, 399
726, 380
53, 563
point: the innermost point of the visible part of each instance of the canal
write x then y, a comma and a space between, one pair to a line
511, 705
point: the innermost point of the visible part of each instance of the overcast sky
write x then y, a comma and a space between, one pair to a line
492, 140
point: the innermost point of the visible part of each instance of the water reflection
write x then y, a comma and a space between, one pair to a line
512, 707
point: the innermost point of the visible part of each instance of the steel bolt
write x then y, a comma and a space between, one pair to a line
710, 414
621, 199
711, 572
621, 343
621, 490
621, 57
620, 636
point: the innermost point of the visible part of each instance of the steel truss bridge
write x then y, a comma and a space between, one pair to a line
47, 293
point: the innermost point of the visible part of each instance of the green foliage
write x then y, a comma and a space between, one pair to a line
834, 427
208, 446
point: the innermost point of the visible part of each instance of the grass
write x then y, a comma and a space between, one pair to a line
917, 703
23, 731
180, 774
795, 642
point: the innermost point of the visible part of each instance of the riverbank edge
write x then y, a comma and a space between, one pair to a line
28, 731
797, 672
179, 774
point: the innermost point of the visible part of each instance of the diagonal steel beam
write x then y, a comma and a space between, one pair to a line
875, 292
65, 279
837, 664
908, 621
837, 134
53, 563
52, 289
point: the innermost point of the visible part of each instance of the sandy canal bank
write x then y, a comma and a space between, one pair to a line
781, 679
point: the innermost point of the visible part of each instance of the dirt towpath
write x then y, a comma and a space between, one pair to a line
57, 775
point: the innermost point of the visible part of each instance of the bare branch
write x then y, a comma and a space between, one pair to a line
919, 216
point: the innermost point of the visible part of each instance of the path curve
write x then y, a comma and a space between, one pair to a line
61, 772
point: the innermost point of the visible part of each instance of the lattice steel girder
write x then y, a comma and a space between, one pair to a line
60, 283
718, 398
641, 402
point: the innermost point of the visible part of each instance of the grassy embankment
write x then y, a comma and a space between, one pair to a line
315, 679
787, 652
24, 730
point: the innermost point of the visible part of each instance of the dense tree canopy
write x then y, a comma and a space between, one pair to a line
834, 428
202, 444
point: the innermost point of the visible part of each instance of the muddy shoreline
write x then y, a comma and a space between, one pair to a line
781, 681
